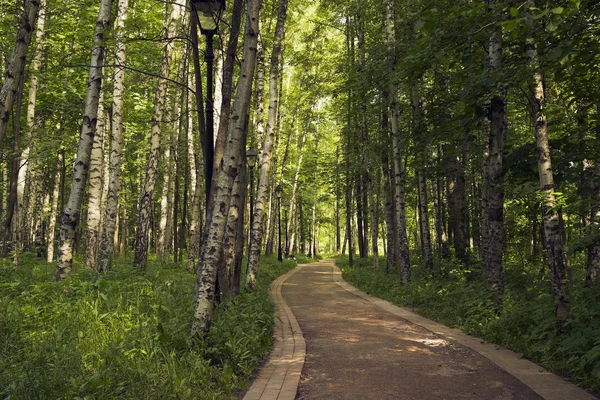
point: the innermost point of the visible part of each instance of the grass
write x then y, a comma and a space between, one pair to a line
524, 321
125, 335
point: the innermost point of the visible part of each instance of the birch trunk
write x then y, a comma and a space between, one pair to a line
147, 194
116, 148
231, 231
402, 252
215, 227
54, 209
163, 242
226, 93
26, 172
196, 188
593, 262
70, 216
256, 234
552, 227
95, 192
259, 125
485, 190
374, 211
16, 63
293, 193
498, 127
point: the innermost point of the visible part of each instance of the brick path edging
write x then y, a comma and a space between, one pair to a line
279, 378
544, 383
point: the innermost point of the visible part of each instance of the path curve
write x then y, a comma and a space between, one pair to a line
279, 378
346, 331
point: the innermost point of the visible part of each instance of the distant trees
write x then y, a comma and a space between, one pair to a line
447, 136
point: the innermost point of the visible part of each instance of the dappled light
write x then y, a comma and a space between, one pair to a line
163, 163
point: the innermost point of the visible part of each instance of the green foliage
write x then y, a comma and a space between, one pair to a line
124, 335
524, 321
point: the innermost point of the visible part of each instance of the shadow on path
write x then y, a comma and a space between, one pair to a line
356, 350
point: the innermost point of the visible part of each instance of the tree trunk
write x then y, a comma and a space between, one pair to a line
402, 252
226, 89
227, 266
498, 127
16, 63
291, 211
485, 187
212, 247
116, 148
70, 216
147, 195
593, 262
10, 228
256, 234
27, 175
552, 227
54, 209
95, 192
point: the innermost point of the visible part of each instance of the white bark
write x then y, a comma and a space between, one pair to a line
196, 188
256, 234
402, 253
95, 192
114, 175
54, 209
163, 241
70, 216
147, 194
211, 249
552, 226
16, 63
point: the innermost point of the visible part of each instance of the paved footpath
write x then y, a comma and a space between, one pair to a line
360, 347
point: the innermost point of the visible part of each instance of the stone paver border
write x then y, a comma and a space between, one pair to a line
279, 378
544, 383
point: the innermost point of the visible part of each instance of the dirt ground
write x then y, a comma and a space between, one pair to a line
355, 350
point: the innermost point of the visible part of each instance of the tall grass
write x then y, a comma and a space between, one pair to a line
125, 335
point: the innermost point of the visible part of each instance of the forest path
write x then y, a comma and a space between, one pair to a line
356, 349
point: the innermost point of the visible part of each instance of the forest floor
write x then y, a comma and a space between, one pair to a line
357, 350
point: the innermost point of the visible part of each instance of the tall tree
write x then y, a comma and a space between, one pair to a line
215, 227
16, 63
116, 148
553, 229
256, 233
498, 127
147, 194
402, 252
72, 211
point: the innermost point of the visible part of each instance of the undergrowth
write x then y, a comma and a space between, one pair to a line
524, 321
125, 335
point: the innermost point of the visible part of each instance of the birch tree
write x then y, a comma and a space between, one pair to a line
147, 194
498, 127
402, 253
72, 211
552, 226
116, 148
215, 227
256, 232
16, 63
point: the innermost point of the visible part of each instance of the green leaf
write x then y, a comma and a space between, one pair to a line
558, 10
514, 11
